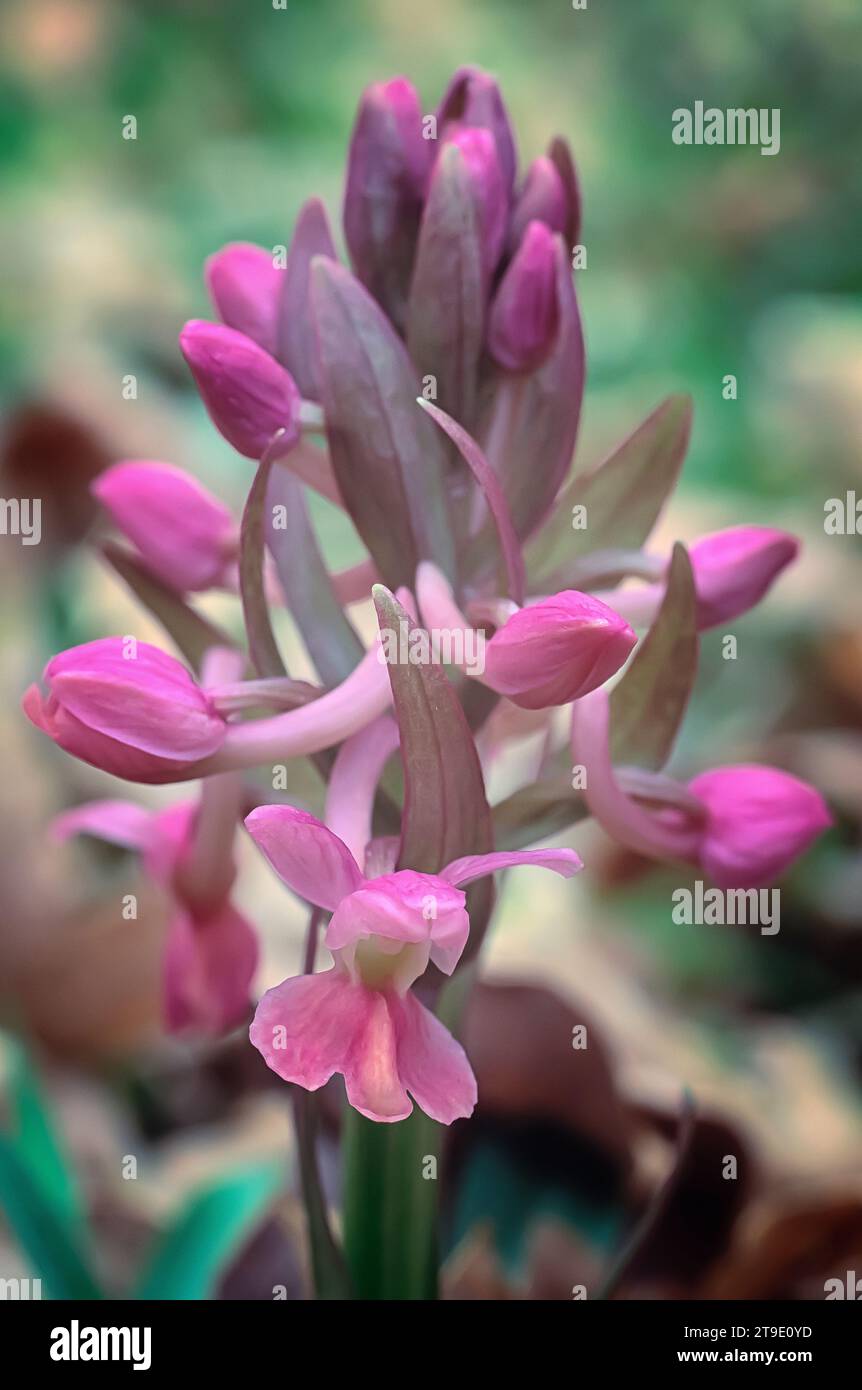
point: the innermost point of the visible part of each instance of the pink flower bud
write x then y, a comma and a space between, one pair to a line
387, 170
542, 199
733, 569
483, 166
126, 707
556, 651
760, 821
523, 322
184, 534
249, 396
473, 99
244, 286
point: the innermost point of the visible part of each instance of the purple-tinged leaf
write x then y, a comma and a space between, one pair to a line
648, 704
530, 431
332, 643
536, 812
387, 458
446, 813
311, 237
561, 157
623, 497
489, 483
262, 646
446, 309
386, 171
192, 633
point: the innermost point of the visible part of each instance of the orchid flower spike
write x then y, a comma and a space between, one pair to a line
546, 654
360, 1018
743, 826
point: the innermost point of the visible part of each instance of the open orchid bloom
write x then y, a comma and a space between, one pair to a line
210, 952
360, 1018
744, 827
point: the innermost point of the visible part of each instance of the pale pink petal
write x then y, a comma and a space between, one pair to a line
760, 820
371, 1075
311, 860
473, 866
432, 1065
118, 822
404, 906
305, 1027
208, 968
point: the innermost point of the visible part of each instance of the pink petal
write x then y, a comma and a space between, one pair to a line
404, 906
760, 820
118, 822
473, 866
733, 569
311, 860
312, 1026
244, 285
145, 699
183, 533
557, 650
208, 968
432, 1065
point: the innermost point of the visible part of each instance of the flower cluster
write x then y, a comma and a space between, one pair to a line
431, 389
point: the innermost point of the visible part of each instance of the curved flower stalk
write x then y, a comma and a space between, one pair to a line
747, 824
360, 1018
550, 653
211, 951
133, 710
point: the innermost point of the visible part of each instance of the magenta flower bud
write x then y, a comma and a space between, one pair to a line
184, 535
126, 707
556, 651
248, 395
523, 324
473, 99
542, 199
387, 170
483, 167
244, 286
760, 821
733, 569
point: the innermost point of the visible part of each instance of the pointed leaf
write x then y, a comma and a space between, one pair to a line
388, 460
648, 704
193, 1252
332, 643
623, 496
192, 633
263, 649
37, 1142
311, 237
446, 309
51, 1245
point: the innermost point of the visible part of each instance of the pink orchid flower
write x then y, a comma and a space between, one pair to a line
743, 826
548, 653
211, 950
360, 1018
